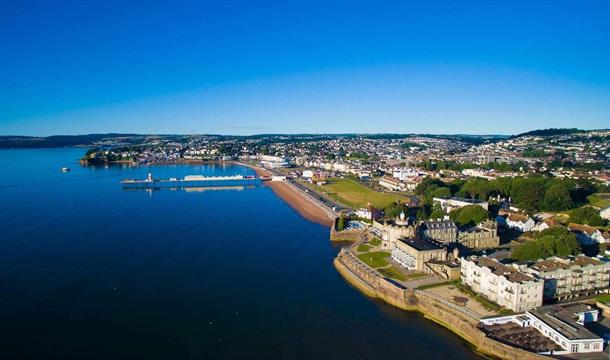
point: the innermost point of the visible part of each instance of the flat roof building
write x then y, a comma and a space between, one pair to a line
413, 253
564, 325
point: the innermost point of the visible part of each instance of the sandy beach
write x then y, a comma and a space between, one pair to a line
293, 197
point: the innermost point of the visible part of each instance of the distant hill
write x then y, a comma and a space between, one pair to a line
10, 142
551, 132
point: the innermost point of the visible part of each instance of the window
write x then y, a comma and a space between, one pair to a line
586, 346
574, 348
596, 346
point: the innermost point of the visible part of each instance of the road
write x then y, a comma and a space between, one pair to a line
325, 201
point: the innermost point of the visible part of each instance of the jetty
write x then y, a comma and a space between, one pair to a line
189, 181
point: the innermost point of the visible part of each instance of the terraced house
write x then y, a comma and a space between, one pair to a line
567, 278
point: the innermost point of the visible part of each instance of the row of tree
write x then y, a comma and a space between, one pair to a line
533, 193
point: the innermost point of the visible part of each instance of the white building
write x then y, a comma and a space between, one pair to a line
307, 174
391, 184
571, 277
502, 284
587, 235
564, 325
449, 204
518, 222
404, 174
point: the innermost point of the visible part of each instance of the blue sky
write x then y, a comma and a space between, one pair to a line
247, 67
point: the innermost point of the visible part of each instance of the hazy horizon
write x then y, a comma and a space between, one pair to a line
286, 134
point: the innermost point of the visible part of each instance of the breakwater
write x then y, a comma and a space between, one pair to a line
457, 319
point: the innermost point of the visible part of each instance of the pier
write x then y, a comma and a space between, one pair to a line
191, 181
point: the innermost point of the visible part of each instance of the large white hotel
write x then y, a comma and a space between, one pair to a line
502, 284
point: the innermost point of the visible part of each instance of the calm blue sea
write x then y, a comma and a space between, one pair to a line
89, 271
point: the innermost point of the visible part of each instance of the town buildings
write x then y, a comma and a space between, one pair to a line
588, 235
481, 236
391, 184
443, 231
413, 253
571, 277
502, 284
564, 325
519, 222
557, 328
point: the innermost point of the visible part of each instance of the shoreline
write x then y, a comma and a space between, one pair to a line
306, 207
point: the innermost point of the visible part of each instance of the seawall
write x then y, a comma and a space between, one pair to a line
448, 315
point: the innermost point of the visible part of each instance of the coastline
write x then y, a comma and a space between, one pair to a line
432, 309
307, 208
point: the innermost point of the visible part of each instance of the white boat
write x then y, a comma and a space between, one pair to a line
65, 169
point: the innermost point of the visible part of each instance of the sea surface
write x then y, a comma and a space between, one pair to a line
89, 271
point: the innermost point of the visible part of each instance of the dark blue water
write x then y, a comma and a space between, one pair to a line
89, 271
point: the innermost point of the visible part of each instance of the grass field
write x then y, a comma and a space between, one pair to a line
599, 200
375, 259
355, 195
375, 241
363, 248
604, 298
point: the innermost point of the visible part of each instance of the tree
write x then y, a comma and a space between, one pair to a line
394, 210
468, 215
527, 193
557, 198
555, 241
341, 224
582, 189
478, 188
441, 192
586, 215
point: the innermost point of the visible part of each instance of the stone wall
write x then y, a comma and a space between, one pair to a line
460, 321
345, 235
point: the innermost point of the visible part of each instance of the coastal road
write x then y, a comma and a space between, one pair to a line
320, 198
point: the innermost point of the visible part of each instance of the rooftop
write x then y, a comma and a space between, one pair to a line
497, 268
439, 224
419, 244
555, 263
563, 320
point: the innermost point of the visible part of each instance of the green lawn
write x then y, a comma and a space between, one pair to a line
375, 241
599, 200
603, 298
392, 273
375, 259
363, 248
351, 193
